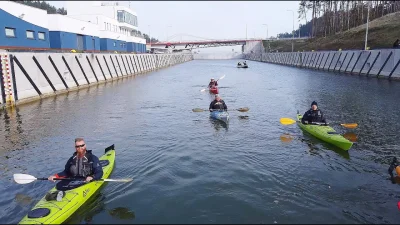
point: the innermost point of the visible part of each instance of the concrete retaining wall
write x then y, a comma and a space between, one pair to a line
377, 63
28, 76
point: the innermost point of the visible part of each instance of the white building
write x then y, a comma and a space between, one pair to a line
117, 24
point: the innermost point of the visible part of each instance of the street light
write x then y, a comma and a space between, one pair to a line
149, 35
293, 27
366, 32
267, 29
149, 38
167, 32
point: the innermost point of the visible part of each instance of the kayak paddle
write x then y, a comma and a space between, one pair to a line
244, 109
289, 121
26, 179
202, 90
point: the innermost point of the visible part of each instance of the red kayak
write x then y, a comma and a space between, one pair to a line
214, 90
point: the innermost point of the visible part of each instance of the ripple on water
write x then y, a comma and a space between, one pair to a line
188, 168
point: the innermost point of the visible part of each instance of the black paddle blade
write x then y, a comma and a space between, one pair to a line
109, 148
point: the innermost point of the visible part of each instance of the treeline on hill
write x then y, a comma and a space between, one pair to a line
45, 6
330, 17
53, 10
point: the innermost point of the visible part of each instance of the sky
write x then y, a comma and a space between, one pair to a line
188, 20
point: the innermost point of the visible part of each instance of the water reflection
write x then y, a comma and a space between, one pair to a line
243, 117
219, 125
313, 142
351, 136
23, 200
122, 213
89, 209
285, 138
14, 137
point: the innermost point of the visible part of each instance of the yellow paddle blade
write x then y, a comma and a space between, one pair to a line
198, 110
349, 125
244, 109
287, 121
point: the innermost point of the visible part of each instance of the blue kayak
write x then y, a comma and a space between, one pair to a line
220, 115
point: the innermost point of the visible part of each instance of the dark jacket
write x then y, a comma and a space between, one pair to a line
219, 105
313, 116
89, 165
215, 83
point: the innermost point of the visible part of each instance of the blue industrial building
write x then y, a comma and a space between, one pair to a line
25, 27
18, 33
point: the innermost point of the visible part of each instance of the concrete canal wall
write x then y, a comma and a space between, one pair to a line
383, 63
28, 76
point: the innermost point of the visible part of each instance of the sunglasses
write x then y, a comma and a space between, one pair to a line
79, 146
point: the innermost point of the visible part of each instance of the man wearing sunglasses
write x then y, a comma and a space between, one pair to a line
82, 164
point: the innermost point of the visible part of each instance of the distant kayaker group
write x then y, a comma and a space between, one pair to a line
242, 63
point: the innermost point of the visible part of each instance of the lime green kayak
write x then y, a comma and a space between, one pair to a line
325, 133
57, 212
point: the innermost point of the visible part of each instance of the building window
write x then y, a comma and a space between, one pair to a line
30, 34
105, 26
41, 36
10, 32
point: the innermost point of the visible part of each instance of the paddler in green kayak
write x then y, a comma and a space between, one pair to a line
313, 115
82, 164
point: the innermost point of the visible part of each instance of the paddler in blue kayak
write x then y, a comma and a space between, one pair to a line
218, 104
212, 83
82, 164
313, 115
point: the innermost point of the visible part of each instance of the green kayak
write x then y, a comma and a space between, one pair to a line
325, 133
57, 212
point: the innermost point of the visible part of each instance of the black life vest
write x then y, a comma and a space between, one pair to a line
82, 167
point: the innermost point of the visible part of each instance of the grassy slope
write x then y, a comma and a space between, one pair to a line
382, 33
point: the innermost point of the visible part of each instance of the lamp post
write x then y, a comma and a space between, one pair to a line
293, 28
246, 31
167, 33
267, 29
149, 38
366, 31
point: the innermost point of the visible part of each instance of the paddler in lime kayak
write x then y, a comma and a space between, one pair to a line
82, 164
218, 104
313, 115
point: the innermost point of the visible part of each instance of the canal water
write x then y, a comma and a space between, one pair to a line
188, 168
